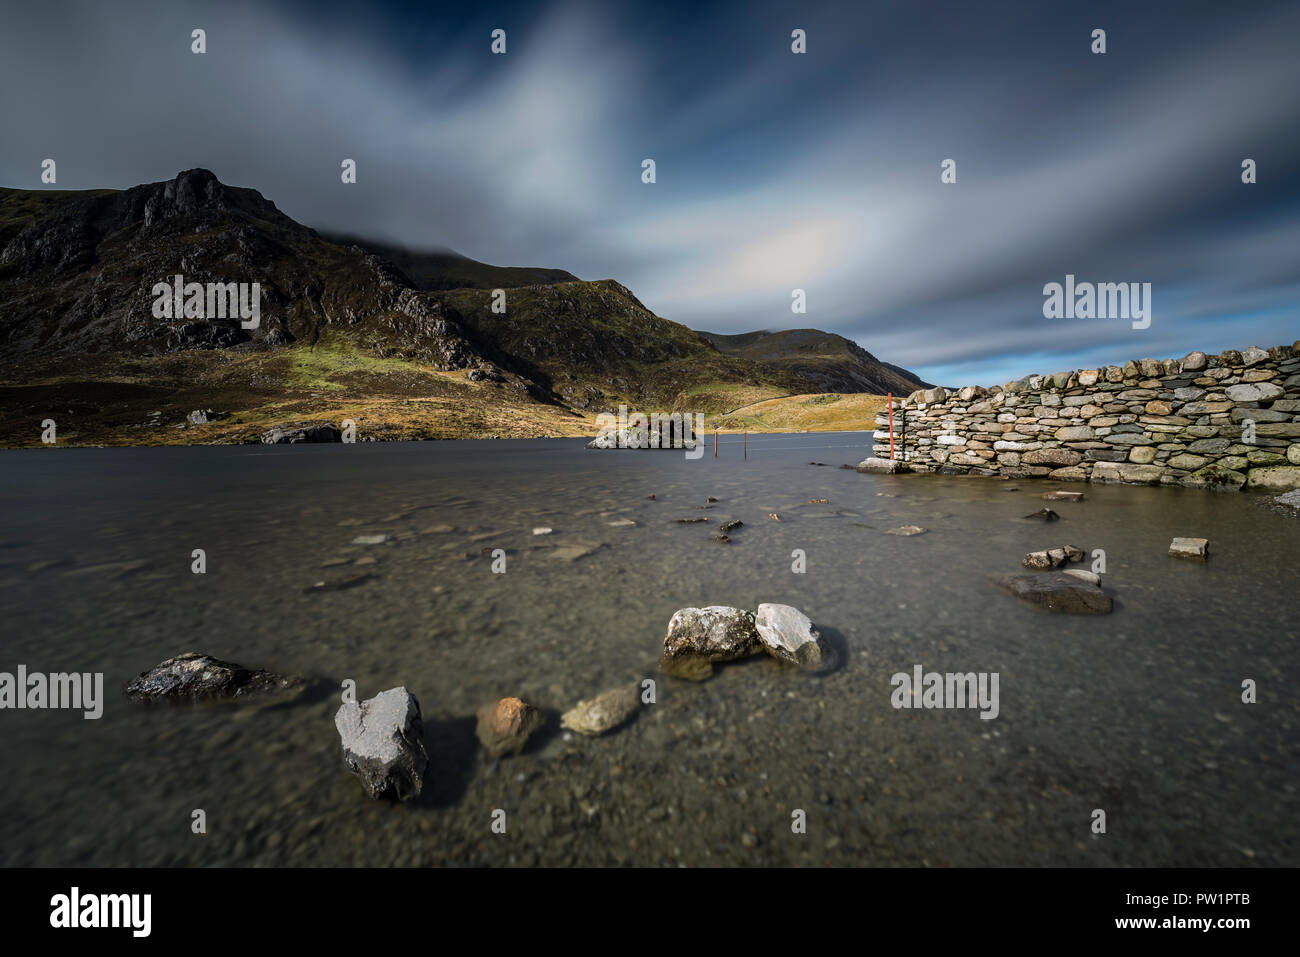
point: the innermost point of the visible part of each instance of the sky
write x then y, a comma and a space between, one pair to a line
775, 171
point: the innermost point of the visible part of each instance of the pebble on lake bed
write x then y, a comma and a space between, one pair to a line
605, 712
504, 727
383, 743
1195, 549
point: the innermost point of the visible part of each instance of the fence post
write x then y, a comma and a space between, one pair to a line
890, 400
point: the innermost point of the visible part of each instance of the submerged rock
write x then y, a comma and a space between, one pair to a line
1290, 498
789, 635
1060, 495
193, 675
383, 743
1193, 548
504, 727
605, 712
905, 531
731, 526
882, 466
1057, 591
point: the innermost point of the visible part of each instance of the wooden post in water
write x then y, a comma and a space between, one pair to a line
715, 443
746, 445
890, 400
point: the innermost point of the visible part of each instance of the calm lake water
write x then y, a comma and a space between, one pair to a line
1137, 713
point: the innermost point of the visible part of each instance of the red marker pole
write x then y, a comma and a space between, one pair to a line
891, 425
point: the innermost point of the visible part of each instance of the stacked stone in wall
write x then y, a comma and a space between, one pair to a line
1228, 421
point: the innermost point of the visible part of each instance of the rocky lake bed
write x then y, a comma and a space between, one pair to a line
598, 677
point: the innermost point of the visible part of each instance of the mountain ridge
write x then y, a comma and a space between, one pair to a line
78, 269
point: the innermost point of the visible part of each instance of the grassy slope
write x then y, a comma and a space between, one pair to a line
595, 340
797, 413
103, 400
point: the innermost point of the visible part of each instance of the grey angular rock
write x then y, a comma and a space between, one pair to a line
194, 675
383, 743
789, 635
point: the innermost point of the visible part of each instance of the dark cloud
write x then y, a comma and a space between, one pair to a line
775, 171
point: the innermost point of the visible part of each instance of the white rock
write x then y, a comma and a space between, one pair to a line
383, 743
1194, 548
789, 635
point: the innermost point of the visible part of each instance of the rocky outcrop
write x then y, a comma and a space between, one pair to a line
294, 433
383, 743
194, 675
1229, 421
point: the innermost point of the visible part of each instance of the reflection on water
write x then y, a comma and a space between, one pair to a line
1137, 713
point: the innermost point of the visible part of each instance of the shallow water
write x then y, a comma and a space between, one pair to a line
1137, 713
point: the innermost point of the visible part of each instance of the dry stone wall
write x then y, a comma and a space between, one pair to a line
1228, 421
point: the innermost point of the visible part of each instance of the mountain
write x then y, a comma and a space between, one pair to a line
404, 342
827, 362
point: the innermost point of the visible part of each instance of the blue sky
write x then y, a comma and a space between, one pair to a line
775, 171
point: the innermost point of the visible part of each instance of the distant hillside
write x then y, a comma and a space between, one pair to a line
826, 362
405, 340
441, 269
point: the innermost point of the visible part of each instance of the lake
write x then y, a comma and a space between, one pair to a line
1137, 713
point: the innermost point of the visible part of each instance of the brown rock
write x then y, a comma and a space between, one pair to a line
504, 727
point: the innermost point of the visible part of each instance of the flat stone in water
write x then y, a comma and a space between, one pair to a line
1057, 591
1195, 549
1044, 514
1060, 495
905, 531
